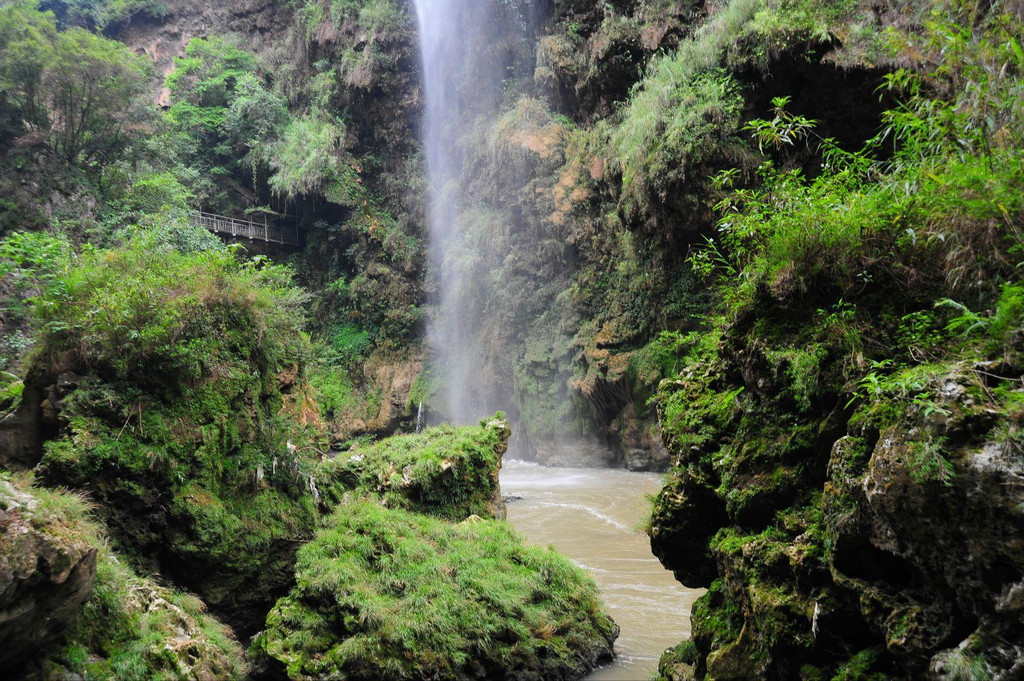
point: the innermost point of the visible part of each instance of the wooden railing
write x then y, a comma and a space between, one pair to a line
258, 231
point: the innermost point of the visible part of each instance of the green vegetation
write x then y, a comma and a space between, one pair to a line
143, 313
82, 91
227, 118
377, 22
103, 14
131, 628
306, 161
186, 383
387, 593
812, 342
795, 224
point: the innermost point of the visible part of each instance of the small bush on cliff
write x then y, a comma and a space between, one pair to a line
165, 319
383, 593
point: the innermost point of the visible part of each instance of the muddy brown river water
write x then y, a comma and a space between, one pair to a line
592, 516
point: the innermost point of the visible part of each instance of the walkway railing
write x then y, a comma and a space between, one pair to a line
258, 231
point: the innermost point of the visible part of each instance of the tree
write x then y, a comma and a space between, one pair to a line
83, 91
94, 95
26, 41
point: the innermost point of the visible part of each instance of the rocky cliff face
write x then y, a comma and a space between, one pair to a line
845, 435
895, 553
164, 37
544, 187
923, 511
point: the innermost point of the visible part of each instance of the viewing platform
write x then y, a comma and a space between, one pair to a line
257, 231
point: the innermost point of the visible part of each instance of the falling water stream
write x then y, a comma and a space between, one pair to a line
459, 83
591, 515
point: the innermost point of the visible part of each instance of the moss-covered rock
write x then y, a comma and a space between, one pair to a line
384, 593
133, 628
930, 481
172, 385
450, 472
859, 450
830, 529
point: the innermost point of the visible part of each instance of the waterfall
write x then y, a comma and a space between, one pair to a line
466, 47
446, 36
419, 418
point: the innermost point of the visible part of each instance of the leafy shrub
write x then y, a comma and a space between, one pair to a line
203, 81
148, 312
307, 158
348, 344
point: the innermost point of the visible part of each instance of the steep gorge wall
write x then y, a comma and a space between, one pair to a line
877, 540
361, 256
163, 38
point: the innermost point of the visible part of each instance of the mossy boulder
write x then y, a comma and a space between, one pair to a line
921, 484
447, 471
174, 382
686, 516
47, 571
385, 593
134, 628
